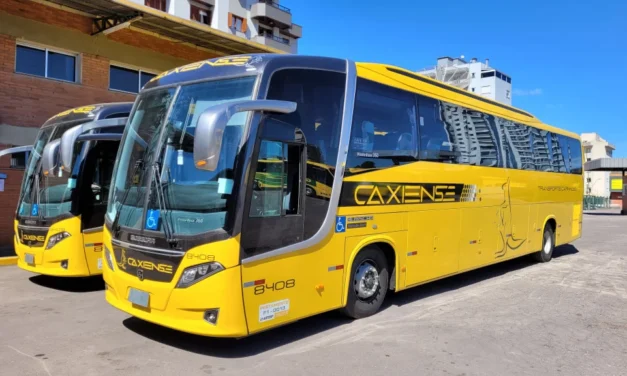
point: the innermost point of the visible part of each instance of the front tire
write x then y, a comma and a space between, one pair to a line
368, 283
548, 245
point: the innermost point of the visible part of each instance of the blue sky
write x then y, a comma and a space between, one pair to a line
568, 62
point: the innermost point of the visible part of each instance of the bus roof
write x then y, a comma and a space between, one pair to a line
403, 79
383, 73
91, 112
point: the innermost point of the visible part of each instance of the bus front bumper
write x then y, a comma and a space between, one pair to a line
66, 259
183, 309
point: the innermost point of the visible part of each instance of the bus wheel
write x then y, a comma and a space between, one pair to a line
548, 245
368, 284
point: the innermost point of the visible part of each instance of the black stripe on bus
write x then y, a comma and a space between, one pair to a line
458, 91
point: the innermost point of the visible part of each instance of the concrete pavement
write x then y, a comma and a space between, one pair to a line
565, 317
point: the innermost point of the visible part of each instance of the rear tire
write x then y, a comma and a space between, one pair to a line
369, 281
548, 245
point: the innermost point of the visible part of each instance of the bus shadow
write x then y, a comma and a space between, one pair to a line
611, 214
299, 330
74, 284
469, 278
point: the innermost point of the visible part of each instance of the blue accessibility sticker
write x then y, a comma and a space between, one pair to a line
340, 224
34, 210
152, 219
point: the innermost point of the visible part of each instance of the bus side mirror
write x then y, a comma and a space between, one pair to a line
49, 158
71, 136
212, 124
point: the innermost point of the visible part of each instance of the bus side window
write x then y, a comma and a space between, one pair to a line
384, 131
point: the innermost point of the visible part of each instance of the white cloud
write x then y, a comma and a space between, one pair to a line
524, 92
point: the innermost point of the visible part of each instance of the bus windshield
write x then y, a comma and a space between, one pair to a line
156, 179
46, 196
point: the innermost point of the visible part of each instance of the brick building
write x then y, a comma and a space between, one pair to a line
59, 54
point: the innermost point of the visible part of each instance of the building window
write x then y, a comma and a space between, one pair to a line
18, 160
237, 23
473, 74
473, 89
128, 80
508, 95
487, 74
157, 4
588, 159
43, 62
201, 15
266, 32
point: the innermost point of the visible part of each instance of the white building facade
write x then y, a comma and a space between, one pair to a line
474, 76
597, 183
263, 21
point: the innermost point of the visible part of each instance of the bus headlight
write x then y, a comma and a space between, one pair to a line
56, 238
108, 257
197, 273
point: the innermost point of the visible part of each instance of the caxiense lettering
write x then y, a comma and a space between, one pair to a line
149, 265
390, 194
38, 238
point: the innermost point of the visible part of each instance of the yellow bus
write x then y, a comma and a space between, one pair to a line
60, 214
428, 181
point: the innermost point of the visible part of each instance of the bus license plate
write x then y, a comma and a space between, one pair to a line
29, 258
138, 297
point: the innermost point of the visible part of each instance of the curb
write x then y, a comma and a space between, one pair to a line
11, 260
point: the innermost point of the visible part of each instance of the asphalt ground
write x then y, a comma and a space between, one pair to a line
565, 317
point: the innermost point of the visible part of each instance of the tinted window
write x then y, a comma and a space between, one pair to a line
319, 96
519, 145
474, 136
559, 154
30, 61
123, 79
434, 140
541, 150
575, 156
384, 127
61, 67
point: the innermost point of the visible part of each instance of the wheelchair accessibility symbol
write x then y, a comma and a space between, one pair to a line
34, 210
152, 219
340, 224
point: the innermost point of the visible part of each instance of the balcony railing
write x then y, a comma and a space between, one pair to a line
276, 5
278, 39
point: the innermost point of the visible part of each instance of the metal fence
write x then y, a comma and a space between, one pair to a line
595, 202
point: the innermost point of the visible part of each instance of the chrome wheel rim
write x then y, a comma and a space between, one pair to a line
366, 280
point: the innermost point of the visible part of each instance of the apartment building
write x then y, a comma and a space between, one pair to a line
263, 21
474, 76
597, 183
60, 54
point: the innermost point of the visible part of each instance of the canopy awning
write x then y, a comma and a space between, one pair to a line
606, 164
112, 15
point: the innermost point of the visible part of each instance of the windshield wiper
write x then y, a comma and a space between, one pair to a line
167, 226
115, 226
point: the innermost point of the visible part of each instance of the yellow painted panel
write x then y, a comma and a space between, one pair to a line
93, 251
294, 286
434, 237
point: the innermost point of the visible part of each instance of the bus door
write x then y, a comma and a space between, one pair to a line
279, 214
88, 151
93, 193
